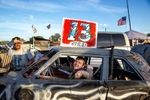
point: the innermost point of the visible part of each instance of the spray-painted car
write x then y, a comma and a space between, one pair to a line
117, 75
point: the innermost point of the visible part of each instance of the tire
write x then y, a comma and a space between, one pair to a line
24, 94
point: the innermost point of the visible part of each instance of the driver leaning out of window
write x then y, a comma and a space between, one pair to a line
79, 70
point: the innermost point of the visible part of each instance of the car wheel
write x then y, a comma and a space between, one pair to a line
24, 94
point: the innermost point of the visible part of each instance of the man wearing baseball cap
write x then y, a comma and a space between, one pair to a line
20, 54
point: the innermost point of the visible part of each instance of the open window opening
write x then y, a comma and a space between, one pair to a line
123, 71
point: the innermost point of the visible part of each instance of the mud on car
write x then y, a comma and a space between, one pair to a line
123, 76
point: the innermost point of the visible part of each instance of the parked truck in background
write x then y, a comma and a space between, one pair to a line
118, 38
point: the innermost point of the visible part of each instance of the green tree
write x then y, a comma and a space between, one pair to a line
148, 34
55, 37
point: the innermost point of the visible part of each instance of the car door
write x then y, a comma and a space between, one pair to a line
126, 90
126, 83
90, 89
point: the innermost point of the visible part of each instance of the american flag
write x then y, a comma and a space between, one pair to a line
49, 26
122, 21
34, 29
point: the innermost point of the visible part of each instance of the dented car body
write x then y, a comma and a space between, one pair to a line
123, 76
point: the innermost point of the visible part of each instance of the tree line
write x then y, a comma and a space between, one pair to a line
56, 37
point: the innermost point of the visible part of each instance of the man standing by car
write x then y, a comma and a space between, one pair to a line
79, 70
21, 55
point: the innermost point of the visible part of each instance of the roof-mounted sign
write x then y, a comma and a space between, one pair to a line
79, 33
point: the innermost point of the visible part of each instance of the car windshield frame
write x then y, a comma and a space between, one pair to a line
50, 52
46, 64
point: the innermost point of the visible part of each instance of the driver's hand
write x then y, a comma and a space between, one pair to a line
78, 74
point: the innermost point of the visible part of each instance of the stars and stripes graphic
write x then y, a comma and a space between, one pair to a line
122, 21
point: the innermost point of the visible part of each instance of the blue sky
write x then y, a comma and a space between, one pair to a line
17, 16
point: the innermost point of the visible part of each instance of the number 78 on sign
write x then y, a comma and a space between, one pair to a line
79, 33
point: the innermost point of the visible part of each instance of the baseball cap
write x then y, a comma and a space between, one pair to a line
13, 41
16, 40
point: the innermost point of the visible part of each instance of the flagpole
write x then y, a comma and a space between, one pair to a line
33, 41
34, 31
128, 14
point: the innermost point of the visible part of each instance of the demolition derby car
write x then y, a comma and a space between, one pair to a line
117, 75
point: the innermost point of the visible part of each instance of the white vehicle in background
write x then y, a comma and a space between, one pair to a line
118, 39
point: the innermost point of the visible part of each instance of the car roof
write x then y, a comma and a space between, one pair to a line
98, 52
94, 51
